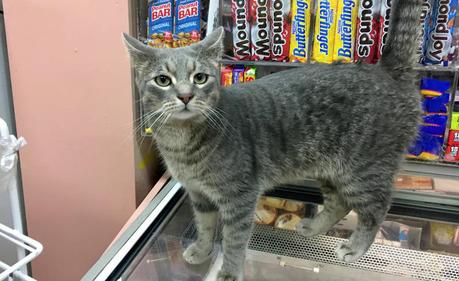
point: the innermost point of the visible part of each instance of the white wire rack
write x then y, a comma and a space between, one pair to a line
28, 248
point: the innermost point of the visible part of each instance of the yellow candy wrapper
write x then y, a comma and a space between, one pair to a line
301, 26
324, 33
345, 31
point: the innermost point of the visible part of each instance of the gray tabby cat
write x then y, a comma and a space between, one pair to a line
346, 125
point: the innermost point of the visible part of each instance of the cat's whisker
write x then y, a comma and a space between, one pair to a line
163, 123
219, 126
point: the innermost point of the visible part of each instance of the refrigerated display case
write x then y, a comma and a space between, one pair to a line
151, 247
418, 241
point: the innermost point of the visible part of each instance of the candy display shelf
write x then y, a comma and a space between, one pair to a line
421, 68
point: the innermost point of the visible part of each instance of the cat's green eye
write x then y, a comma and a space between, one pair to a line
200, 78
163, 81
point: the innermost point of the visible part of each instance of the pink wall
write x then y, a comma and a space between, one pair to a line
72, 96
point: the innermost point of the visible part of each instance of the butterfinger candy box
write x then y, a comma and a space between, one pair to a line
345, 31
260, 29
324, 33
160, 23
241, 29
280, 29
187, 22
440, 33
366, 45
301, 26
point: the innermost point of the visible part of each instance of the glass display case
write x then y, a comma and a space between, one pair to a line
418, 241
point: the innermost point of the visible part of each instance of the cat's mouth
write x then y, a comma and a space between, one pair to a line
184, 114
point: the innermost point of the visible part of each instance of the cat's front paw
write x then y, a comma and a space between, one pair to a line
349, 253
226, 276
195, 254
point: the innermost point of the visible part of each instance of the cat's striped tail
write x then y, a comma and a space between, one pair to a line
399, 54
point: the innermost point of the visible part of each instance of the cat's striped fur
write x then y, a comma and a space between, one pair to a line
345, 125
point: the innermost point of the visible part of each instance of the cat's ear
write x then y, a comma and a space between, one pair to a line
138, 51
212, 46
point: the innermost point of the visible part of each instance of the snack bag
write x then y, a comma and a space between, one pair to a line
301, 26
384, 21
280, 29
227, 76
260, 29
426, 147
453, 138
455, 121
366, 45
238, 74
433, 87
452, 153
324, 33
345, 31
434, 124
436, 104
241, 29
440, 32
187, 22
250, 74
160, 24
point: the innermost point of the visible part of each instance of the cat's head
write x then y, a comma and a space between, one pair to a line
182, 83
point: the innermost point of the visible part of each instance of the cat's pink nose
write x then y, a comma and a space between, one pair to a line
185, 98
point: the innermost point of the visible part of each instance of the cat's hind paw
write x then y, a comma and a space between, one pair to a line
348, 253
226, 276
196, 255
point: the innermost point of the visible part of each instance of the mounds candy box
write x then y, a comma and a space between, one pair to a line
187, 22
440, 32
324, 33
301, 27
280, 29
250, 74
160, 23
260, 29
384, 21
366, 45
453, 137
226, 76
345, 31
241, 29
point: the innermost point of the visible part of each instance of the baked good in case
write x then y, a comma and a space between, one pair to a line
265, 214
287, 221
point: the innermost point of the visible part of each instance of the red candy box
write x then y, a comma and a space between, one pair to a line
281, 25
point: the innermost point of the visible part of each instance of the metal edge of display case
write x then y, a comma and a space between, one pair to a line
431, 169
111, 258
408, 204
